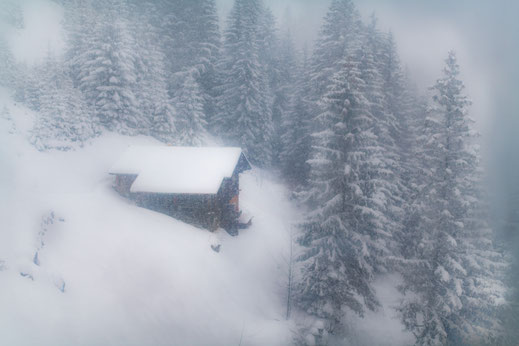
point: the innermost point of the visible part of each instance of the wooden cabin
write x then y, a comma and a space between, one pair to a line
196, 185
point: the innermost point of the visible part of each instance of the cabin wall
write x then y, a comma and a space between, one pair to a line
123, 183
207, 211
230, 191
199, 210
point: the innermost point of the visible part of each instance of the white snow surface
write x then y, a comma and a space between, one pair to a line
182, 170
98, 270
111, 273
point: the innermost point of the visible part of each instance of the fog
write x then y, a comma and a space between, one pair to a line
41, 33
481, 32
63, 122
484, 35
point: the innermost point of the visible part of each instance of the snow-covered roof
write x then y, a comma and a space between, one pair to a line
178, 170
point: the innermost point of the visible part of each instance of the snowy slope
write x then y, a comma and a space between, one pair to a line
83, 266
80, 265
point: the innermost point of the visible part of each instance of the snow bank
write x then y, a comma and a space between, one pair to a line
82, 266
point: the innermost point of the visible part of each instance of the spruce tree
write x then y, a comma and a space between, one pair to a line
283, 93
65, 121
108, 72
244, 117
384, 154
7, 65
340, 21
190, 119
189, 36
454, 273
296, 131
342, 235
510, 312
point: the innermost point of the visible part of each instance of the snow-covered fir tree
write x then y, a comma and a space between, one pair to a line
244, 115
11, 18
296, 122
384, 156
510, 231
7, 65
152, 89
341, 19
208, 48
191, 127
189, 37
283, 93
108, 71
65, 120
344, 234
269, 50
454, 275
163, 122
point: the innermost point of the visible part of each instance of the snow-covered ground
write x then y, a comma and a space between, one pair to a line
80, 265
84, 266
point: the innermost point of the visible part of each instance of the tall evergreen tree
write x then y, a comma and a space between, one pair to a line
108, 72
7, 65
454, 273
340, 21
190, 119
386, 173
209, 45
354, 191
296, 129
244, 115
65, 120
343, 236
510, 312
190, 39
283, 93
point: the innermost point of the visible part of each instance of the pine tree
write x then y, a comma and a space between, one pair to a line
343, 236
283, 94
190, 122
296, 131
340, 21
108, 72
454, 272
208, 48
386, 173
65, 120
510, 313
29, 85
354, 193
164, 117
79, 24
244, 116
399, 115
152, 77
189, 35
7, 65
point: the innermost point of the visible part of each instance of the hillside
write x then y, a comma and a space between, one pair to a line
81, 265
383, 206
109, 272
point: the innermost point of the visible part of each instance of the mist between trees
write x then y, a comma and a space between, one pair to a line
390, 177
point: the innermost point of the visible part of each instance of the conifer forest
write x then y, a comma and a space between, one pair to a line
381, 210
